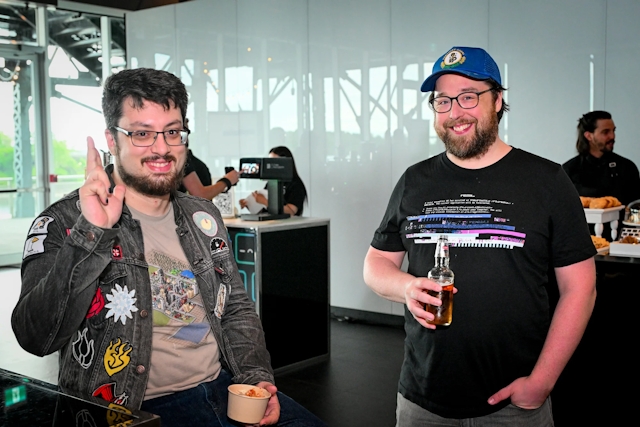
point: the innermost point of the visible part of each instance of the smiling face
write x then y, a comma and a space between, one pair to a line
602, 139
467, 133
152, 171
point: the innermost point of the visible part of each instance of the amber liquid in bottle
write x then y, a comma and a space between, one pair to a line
442, 274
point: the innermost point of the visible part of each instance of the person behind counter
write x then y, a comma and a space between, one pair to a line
498, 361
197, 178
597, 171
295, 193
134, 283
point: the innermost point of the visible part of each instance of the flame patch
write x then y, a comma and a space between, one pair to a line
82, 349
116, 357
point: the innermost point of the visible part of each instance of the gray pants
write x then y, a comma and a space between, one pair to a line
408, 414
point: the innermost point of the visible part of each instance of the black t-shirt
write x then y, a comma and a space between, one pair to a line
610, 175
194, 164
506, 232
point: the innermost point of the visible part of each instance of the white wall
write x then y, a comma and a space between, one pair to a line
356, 66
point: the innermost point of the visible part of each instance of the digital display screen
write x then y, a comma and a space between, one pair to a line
250, 168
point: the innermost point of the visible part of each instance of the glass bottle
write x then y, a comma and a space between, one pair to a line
442, 274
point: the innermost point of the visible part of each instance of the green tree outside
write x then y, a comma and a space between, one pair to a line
65, 161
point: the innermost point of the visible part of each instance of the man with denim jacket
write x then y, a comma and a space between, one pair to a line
134, 283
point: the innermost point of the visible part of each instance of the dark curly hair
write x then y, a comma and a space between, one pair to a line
139, 85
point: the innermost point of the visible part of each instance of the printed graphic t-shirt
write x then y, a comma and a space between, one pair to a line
508, 225
185, 352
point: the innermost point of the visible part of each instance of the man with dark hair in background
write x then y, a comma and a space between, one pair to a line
597, 171
134, 283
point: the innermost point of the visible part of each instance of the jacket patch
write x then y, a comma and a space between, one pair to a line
82, 349
40, 225
116, 252
206, 223
116, 357
34, 245
108, 393
121, 304
218, 245
220, 301
97, 304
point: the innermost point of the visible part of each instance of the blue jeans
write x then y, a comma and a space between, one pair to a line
206, 405
408, 414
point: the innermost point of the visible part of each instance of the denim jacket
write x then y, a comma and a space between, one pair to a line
72, 269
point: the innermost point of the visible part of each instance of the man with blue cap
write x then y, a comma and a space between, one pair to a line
500, 357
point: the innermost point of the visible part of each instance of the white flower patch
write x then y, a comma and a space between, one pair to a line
122, 304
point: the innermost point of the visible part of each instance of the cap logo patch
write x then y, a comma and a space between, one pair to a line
452, 59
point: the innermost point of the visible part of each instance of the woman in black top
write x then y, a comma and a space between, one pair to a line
295, 193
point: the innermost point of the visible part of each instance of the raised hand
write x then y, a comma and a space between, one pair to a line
99, 207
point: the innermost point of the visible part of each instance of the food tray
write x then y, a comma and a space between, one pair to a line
600, 216
626, 249
603, 251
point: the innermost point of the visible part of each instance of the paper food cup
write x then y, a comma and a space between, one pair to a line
247, 403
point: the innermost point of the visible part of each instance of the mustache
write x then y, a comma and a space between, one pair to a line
166, 158
449, 123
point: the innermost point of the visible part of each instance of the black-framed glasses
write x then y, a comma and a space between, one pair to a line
466, 100
146, 138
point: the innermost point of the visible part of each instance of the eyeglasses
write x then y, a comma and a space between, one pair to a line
146, 138
466, 100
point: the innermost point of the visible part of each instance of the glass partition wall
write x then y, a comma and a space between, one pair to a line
51, 70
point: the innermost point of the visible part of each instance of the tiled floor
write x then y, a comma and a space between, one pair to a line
356, 387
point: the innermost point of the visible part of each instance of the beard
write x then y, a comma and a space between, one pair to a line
472, 146
151, 185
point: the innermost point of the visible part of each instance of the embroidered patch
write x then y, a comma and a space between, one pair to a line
220, 301
206, 223
116, 252
116, 357
97, 304
108, 393
453, 58
34, 245
218, 245
82, 349
40, 225
68, 230
121, 304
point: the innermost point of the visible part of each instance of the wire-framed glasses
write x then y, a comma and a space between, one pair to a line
466, 100
146, 138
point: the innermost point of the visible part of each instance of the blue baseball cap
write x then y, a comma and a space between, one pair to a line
472, 62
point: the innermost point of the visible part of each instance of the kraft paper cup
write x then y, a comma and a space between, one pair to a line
247, 409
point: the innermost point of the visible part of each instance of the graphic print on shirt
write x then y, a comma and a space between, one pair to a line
468, 221
176, 300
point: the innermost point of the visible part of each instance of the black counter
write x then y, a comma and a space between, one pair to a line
598, 385
34, 403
